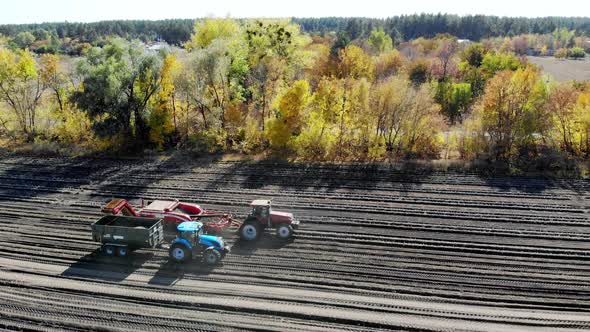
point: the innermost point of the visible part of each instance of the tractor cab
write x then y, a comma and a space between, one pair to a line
263, 212
190, 231
261, 209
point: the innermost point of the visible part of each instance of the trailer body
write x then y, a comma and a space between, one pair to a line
121, 234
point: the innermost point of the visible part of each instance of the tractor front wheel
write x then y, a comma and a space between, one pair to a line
211, 256
179, 253
249, 231
284, 232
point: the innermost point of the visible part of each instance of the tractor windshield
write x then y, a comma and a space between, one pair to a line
189, 236
261, 211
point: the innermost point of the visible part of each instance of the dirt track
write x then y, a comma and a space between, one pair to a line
378, 249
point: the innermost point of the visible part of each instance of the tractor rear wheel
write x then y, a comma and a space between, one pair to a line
122, 251
284, 232
179, 253
249, 231
211, 256
109, 250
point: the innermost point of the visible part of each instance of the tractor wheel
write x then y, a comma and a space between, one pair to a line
249, 231
179, 253
122, 251
211, 256
109, 250
284, 232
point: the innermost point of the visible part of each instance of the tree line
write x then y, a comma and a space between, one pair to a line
400, 28
265, 86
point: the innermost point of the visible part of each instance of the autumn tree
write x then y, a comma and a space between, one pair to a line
355, 63
512, 111
208, 30
273, 48
569, 107
444, 65
21, 88
390, 107
407, 117
162, 118
289, 118
388, 64
72, 125
318, 137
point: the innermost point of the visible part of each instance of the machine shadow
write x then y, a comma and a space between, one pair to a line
323, 177
96, 265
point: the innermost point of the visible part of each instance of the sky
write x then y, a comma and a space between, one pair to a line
37, 11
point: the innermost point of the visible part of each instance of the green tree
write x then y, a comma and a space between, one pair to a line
380, 41
576, 53
24, 39
204, 85
119, 81
419, 72
493, 63
454, 99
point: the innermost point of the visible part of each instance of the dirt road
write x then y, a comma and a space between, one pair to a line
378, 249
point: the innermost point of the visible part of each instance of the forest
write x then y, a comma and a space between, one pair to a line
409, 87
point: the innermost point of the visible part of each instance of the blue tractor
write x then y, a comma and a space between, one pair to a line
190, 242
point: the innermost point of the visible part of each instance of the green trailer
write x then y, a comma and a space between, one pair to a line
120, 235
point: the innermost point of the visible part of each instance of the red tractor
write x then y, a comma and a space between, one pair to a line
262, 216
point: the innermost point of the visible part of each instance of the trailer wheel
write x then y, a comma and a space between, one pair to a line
109, 250
249, 231
122, 251
284, 232
179, 253
211, 256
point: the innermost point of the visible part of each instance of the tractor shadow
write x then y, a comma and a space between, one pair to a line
97, 265
169, 273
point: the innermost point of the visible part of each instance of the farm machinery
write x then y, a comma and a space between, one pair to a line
120, 235
174, 212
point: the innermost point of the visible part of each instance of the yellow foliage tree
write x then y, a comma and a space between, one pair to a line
161, 118
512, 111
355, 63
206, 31
289, 116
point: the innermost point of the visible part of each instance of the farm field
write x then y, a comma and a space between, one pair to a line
378, 249
563, 69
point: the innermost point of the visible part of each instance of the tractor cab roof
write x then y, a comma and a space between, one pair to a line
260, 202
189, 226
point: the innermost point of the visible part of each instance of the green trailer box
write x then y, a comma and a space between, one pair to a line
120, 234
